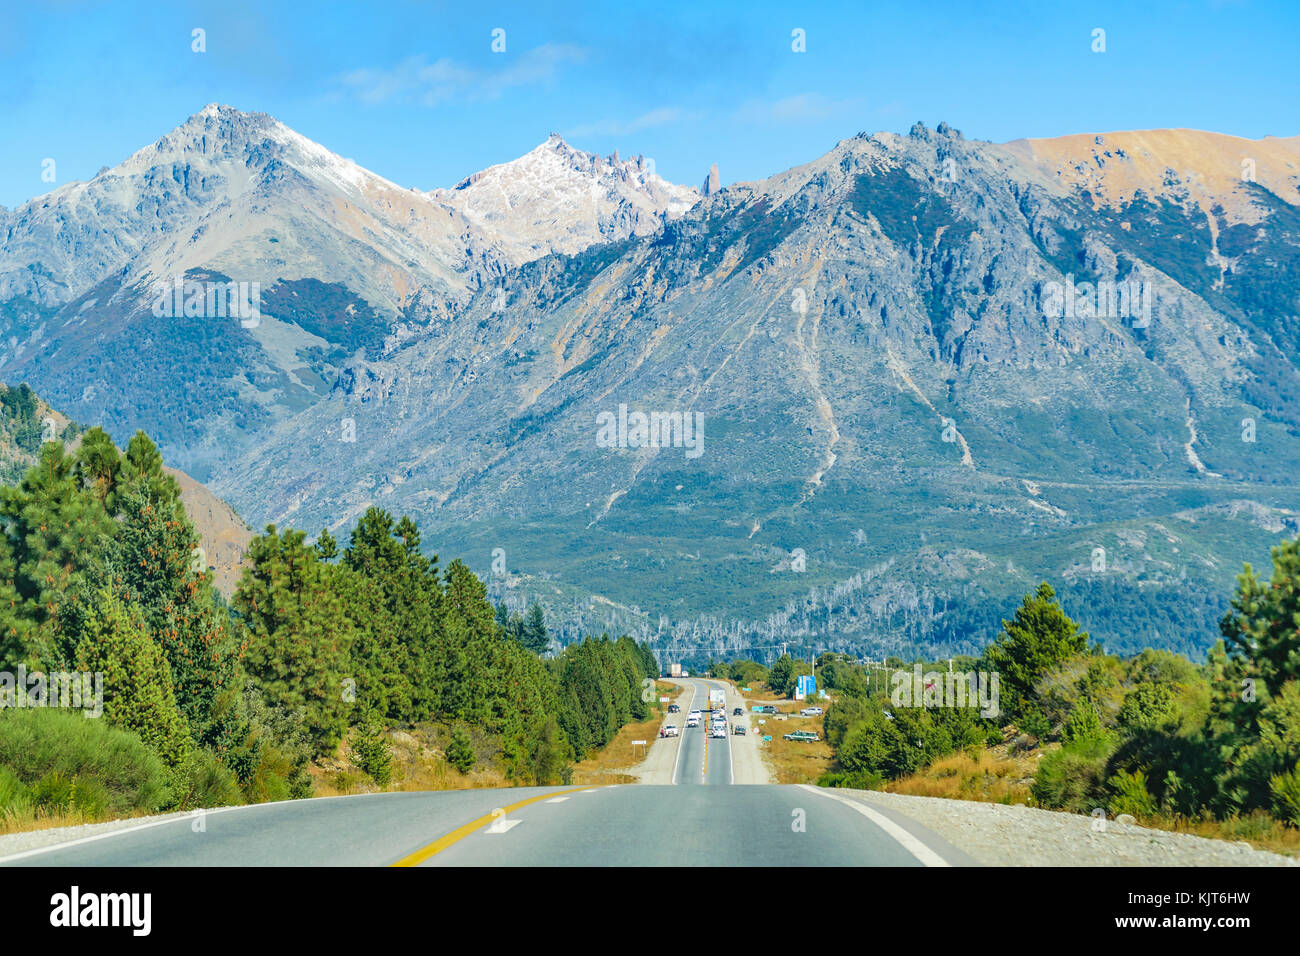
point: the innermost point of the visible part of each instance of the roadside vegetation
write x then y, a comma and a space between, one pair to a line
1210, 748
333, 668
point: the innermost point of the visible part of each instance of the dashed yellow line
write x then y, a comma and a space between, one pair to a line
455, 836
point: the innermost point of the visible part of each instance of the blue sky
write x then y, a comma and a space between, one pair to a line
414, 91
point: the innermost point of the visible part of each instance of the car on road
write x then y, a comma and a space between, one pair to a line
737, 712
806, 736
692, 721
674, 709
739, 730
697, 714
669, 731
718, 731
810, 712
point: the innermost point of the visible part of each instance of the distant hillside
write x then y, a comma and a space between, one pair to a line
26, 422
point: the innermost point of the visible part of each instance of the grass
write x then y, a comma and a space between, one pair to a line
419, 763
607, 764
982, 775
1001, 775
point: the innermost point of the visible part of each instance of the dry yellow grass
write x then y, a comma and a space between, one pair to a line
608, 763
1210, 164
1000, 775
25, 821
793, 761
984, 776
419, 763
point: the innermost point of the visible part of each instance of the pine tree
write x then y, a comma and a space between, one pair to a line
1038, 638
55, 530
327, 548
460, 750
98, 466
370, 749
533, 634
300, 637
154, 559
142, 471
138, 696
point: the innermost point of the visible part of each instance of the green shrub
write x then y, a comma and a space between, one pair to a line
1083, 724
1285, 788
14, 796
209, 783
38, 742
859, 780
1072, 777
460, 751
1131, 795
370, 750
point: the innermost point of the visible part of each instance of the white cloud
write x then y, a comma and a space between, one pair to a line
445, 80
660, 116
804, 107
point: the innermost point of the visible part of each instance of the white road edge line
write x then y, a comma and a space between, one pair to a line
121, 832
909, 842
557, 799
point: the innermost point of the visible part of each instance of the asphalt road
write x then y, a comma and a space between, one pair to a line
702, 818
700, 759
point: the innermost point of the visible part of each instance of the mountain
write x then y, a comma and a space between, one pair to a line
557, 199
922, 373
346, 263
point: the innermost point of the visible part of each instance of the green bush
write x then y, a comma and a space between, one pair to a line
1132, 795
1285, 788
209, 783
57, 792
14, 796
370, 750
460, 750
1072, 778
859, 780
36, 743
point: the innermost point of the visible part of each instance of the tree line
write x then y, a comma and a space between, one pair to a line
1150, 734
321, 641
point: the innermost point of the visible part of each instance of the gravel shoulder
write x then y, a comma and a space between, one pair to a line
747, 760
999, 835
11, 843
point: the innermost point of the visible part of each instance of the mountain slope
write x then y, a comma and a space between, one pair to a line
882, 389
912, 392
346, 263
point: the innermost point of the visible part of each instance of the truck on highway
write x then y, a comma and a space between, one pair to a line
717, 699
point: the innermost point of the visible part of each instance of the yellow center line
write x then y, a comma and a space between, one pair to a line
455, 836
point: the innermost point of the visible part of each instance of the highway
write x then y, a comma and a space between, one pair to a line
702, 817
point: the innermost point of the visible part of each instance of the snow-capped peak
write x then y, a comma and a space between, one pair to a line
564, 198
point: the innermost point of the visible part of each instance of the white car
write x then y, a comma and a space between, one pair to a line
692, 721
718, 731
810, 712
670, 730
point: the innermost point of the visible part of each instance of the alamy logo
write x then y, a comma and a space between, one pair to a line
946, 689
1130, 299
134, 910
651, 430
194, 299
80, 690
